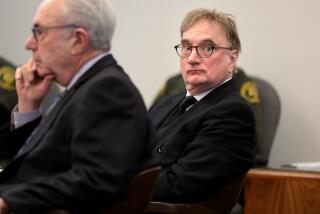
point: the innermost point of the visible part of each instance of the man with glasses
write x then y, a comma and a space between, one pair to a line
82, 154
207, 135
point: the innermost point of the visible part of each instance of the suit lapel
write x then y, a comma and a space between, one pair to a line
45, 124
165, 108
205, 104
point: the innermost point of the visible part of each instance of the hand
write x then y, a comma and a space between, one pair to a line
4, 207
31, 88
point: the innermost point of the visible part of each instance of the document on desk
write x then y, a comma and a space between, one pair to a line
312, 166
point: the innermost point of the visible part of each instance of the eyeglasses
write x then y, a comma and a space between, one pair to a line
203, 51
37, 31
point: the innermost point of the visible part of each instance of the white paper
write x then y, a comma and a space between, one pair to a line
313, 166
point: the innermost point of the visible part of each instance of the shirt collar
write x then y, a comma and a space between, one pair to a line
203, 94
85, 68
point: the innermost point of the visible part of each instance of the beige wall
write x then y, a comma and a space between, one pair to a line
280, 43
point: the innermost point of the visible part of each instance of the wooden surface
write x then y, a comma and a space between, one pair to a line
270, 191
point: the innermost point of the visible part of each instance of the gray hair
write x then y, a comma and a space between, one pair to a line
96, 16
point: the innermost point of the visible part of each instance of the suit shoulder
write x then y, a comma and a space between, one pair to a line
233, 102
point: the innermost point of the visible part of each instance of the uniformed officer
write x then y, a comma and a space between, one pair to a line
8, 95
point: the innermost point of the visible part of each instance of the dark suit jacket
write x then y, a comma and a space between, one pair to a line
206, 147
84, 154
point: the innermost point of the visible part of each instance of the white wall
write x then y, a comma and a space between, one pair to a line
280, 43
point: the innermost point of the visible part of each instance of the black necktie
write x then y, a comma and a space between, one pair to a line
188, 101
177, 112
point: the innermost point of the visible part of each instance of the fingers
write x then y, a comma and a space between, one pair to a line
26, 74
20, 83
31, 87
47, 80
18, 74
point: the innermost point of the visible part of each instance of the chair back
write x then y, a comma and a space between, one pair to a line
139, 195
221, 202
271, 109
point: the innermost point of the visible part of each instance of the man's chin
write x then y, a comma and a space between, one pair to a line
195, 80
193, 85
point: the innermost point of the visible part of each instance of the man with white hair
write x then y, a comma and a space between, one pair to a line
82, 155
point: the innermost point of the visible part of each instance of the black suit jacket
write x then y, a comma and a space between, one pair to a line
206, 147
84, 154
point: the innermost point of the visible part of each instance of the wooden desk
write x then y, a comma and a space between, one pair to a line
273, 191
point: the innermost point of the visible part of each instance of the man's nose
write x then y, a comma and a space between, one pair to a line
30, 43
194, 57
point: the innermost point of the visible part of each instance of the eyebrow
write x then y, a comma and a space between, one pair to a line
205, 41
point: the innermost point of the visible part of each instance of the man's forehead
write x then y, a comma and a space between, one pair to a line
204, 31
47, 12
198, 36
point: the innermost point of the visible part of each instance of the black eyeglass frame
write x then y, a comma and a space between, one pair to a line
35, 30
213, 47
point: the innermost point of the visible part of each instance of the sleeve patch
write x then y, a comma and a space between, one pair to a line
249, 92
7, 80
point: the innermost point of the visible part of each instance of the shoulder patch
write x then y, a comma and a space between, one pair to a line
249, 92
7, 81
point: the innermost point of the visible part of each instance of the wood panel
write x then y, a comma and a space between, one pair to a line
282, 191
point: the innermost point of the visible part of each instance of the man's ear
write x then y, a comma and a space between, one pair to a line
233, 60
80, 41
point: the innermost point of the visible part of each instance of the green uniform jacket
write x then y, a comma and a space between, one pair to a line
8, 95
